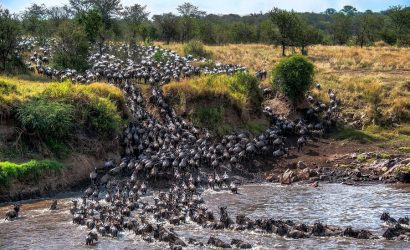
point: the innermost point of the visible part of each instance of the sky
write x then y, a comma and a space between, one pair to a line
241, 7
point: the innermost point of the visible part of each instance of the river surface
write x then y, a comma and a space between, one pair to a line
333, 204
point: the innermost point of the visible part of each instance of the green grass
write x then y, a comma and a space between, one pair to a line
405, 149
397, 138
240, 90
54, 114
212, 118
28, 171
354, 134
55, 110
257, 127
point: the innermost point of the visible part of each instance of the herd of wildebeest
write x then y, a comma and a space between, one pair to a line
188, 159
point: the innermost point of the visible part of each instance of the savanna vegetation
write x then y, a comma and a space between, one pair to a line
220, 103
53, 120
361, 55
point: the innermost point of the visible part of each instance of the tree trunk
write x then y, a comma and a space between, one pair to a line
283, 49
303, 51
4, 62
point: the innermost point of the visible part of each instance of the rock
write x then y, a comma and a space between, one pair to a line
304, 174
288, 177
301, 165
307, 173
271, 178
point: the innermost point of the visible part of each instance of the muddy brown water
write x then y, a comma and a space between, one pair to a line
333, 204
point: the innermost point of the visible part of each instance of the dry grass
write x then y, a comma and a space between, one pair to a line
373, 83
258, 56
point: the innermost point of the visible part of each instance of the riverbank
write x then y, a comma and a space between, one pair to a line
75, 127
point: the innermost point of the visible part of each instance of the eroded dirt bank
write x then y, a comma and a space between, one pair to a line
74, 175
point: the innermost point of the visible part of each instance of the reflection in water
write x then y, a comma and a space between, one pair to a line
333, 204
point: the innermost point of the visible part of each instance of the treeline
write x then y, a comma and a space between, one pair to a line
97, 21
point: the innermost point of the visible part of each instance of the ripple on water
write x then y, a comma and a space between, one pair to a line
333, 204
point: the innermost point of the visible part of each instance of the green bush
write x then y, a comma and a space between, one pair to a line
24, 171
209, 116
51, 119
248, 85
196, 48
103, 117
293, 76
160, 56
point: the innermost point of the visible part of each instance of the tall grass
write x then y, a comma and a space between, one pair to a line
257, 56
29, 171
240, 90
54, 110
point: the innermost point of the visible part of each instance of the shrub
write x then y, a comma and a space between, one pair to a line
293, 76
51, 119
103, 117
381, 43
24, 171
196, 48
160, 56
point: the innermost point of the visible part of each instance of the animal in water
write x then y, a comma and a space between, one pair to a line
54, 205
13, 214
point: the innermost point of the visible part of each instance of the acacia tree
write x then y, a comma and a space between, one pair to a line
107, 8
135, 15
400, 17
9, 37
72, 48
306, 36
93, 27
288, 26
57, 15
167, 24
189, 16
366, 27
349, 10
341, 27
330, 11
34, 22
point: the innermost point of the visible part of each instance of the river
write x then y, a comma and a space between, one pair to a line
333, 204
